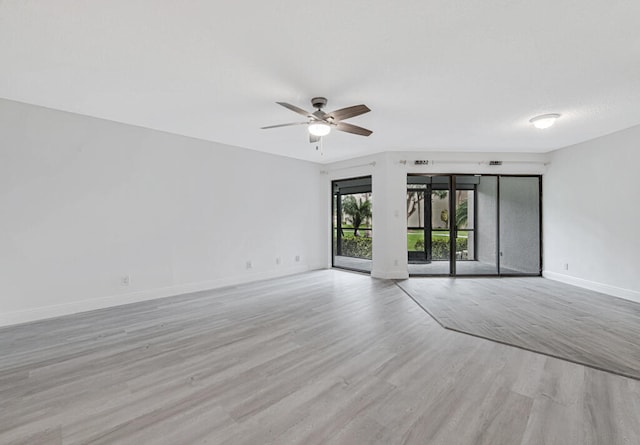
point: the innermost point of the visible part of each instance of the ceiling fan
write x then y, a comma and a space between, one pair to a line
320, 123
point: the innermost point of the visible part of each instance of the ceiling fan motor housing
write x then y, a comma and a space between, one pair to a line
319, 102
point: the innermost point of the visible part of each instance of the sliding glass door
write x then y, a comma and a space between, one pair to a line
352, 224
455, 225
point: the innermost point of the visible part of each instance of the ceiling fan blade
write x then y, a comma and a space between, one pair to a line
343, 126
283, 125
313, 138
295, 109
319, 114
346, 113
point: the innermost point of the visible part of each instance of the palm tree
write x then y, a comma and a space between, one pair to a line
414, 203
440, 194
357, 210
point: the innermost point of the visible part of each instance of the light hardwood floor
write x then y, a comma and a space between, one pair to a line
326, 357
540, 315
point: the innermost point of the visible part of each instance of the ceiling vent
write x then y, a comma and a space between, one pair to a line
495, 162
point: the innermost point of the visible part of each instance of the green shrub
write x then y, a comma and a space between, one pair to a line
440, 247
357, 246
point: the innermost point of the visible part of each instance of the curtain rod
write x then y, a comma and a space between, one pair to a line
456, 161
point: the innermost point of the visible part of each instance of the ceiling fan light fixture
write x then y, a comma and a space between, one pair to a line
319, 129
544, 121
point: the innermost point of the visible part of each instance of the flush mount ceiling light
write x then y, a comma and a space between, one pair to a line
319, 129
544, 120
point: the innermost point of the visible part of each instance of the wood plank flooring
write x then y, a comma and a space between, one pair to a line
540, 315
326, 357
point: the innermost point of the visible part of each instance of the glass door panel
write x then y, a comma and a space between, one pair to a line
520, 225
428, 225
476, 225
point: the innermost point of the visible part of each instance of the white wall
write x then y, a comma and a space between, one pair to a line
591, 206
86, 201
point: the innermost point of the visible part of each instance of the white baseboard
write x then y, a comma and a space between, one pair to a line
620, 292
40, 313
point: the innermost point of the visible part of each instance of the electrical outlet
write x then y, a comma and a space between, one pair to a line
249, 264
297, 258
395, 262
277, 260
565, 266
125, 280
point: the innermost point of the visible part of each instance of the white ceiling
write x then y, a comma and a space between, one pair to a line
438, 75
